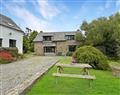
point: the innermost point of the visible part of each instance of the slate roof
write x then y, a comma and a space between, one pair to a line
57, 36
8, 22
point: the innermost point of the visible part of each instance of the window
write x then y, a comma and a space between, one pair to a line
47, 38
69, 37
0, 42
12, 43
71, 48
49, 49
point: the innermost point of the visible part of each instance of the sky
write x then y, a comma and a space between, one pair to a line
56, 15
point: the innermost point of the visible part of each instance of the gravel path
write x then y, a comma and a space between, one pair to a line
16, 73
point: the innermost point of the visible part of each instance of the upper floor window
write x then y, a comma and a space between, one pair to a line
12, 43
69, 37
0, 42
47, 38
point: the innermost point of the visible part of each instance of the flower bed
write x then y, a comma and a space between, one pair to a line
6, 57
12, 50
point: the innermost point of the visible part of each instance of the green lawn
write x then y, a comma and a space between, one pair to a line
105, 84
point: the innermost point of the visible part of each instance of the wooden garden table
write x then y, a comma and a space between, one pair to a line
85, 71
85, 67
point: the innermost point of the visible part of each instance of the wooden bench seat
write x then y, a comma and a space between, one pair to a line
74, 76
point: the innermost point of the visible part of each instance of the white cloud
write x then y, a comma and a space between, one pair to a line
28, 18
47, 10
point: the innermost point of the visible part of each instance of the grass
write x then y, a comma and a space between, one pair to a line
105, 84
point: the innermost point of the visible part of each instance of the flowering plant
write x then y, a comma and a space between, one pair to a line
6, 56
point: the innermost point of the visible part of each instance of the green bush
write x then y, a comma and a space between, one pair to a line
92, 56
3, 61
69, 54
12, 50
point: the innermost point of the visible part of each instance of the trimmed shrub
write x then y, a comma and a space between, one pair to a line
8, 55
12, 50
92, 56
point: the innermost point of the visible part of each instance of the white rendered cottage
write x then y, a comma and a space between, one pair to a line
10, 34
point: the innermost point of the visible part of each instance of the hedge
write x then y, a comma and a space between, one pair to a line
8, 55
12, 50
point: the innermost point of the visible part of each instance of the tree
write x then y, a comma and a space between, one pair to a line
84, 27
25, 44
31, 38
28, 44
80, 38
104, 32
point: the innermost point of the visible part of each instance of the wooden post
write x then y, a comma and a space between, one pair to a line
58, 69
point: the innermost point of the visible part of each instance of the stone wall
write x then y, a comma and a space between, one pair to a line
71, 42
38, 48
61, 47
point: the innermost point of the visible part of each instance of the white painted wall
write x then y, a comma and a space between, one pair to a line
16, 35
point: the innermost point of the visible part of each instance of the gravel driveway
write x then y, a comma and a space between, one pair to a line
16, 73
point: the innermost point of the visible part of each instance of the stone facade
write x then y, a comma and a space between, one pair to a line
57, 43
61, 48
38, 48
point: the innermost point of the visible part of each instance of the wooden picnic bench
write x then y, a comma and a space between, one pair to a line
85, 71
